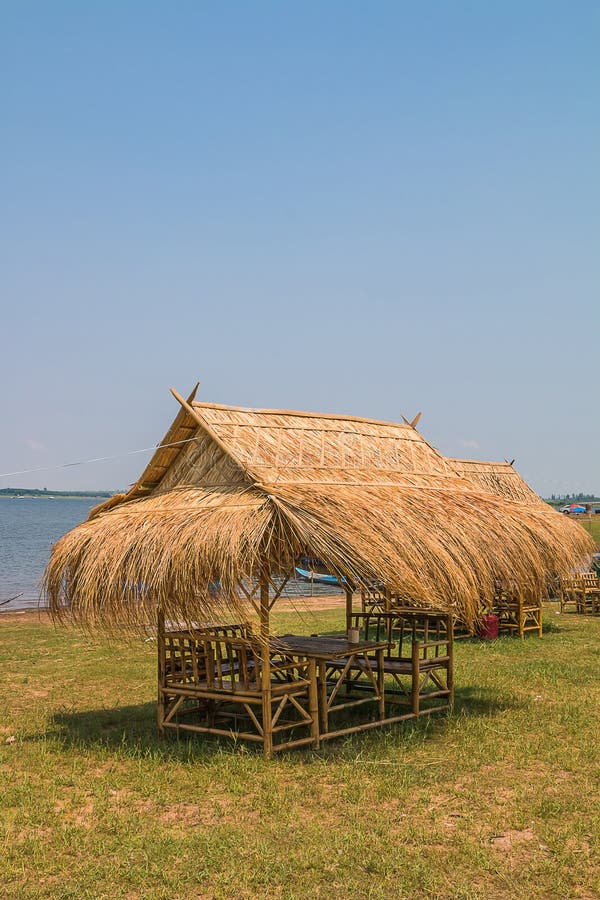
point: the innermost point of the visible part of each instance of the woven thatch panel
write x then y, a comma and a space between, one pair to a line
314, 447
202, 463
497, 478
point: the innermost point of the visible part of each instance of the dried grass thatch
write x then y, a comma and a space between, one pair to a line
497, 478
241, 491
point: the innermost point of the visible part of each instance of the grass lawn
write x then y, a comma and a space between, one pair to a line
500, 799
592, 525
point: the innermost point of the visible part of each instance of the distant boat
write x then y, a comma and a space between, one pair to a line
317, 577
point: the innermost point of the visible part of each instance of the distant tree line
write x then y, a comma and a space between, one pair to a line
573, 498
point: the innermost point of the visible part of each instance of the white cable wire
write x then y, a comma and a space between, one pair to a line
83, 462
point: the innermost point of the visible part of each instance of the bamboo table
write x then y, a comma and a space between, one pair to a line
324, 650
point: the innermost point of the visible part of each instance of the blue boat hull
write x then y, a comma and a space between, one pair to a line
316, 577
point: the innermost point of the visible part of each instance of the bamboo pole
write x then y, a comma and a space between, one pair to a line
380, 683
322, 694
160, 640
450, 652
521, 616
349, 599
388, 600
313, 702
415, 677
266, 661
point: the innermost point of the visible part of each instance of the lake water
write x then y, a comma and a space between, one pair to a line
29, 528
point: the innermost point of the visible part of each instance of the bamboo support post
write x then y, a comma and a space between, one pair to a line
266, 662
450, 670
416, 677
521, 616
388, 600
313, 702
322, 690
160, 639
349, 601
380, 684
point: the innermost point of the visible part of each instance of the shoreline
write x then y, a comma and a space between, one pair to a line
50, 496
302, 603
29, 614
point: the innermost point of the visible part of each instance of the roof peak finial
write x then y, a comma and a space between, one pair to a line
413, 422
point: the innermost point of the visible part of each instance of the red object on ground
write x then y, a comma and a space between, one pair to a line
488, 627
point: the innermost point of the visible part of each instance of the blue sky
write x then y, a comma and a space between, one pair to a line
363, 208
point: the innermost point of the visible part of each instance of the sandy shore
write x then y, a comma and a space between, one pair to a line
303, 604
24, 615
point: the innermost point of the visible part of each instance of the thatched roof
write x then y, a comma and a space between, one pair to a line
498, 478
244, 488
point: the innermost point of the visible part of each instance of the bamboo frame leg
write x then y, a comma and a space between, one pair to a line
160, 714
313, 702
349, 599
267, 716
160, 636
323, 709
416, 678
211, 712
387, 608
380, 684
521, 618
267, 711
450, 670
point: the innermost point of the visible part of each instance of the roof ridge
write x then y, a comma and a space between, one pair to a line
483, 462
301, 414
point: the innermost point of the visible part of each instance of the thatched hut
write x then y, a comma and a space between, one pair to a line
234, 494
518, 608
230, 501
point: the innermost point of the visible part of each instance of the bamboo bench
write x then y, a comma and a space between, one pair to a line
418, 658
582, 591
376, 599
517, 615
221, 680
567, 591
589, 598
